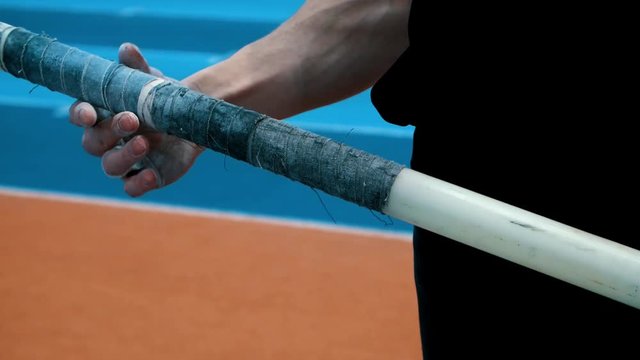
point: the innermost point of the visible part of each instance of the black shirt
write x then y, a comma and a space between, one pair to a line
530, 104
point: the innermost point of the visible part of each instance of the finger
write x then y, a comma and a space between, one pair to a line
158, 73
104, 136
141, 183
83, 114
131, 56
118, 161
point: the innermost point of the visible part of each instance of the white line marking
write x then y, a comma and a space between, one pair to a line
199, 212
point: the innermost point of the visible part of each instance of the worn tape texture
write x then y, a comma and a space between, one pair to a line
319, 162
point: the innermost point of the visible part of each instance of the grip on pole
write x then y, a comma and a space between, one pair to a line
335, 168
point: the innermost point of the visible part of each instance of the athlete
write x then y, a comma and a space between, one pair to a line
517, 102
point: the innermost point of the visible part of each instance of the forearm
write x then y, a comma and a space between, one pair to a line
329, 50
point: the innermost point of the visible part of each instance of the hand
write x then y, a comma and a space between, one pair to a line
144, 158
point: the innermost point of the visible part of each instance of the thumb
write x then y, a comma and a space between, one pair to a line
131, 56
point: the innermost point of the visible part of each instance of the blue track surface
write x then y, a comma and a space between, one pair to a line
41, 150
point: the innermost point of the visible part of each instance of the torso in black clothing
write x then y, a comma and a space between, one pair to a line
530, 106
527, 105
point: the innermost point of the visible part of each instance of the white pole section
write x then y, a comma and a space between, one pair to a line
572, 255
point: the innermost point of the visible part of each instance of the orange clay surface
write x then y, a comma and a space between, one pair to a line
87, 281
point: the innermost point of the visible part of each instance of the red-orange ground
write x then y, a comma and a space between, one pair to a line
84, 281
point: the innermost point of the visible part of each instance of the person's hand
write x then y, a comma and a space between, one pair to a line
144, 158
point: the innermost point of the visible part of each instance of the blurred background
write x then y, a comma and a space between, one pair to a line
230, 262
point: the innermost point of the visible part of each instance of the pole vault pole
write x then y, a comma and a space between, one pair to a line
569, 254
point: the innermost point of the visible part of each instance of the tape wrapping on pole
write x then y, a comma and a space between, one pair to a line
335, 168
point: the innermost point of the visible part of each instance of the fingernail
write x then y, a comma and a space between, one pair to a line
119, 124
124, 47
80, 111
138, 146
125, 124
149, 180
84, 115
